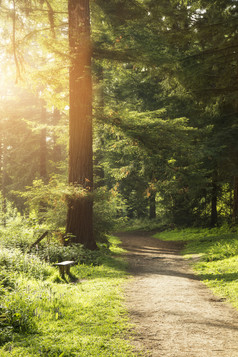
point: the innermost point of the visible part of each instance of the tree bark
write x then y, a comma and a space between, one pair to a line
79, 226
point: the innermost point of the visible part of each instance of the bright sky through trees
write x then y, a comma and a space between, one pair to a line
162, 72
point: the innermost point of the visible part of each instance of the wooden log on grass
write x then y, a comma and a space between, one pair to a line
38, 240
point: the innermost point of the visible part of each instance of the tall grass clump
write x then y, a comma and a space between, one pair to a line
16, 309
29, 264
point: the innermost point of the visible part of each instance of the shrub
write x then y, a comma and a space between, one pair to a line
20, 312
55, 252
16, 261
222, 250
7, 282
16, 315
17, 235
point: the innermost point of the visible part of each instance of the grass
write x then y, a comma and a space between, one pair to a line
82, 316
143, 224
217, 253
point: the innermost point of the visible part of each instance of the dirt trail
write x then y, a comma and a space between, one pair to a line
175, 315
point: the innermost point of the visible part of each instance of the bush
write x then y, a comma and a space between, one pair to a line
17, 235
20, 312
222, 250
17, 315
7, 282
16, 261
55, 252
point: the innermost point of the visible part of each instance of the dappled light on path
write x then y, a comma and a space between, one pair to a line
175, 315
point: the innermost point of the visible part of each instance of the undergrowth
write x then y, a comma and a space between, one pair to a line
44, 314
216, 251
144, 224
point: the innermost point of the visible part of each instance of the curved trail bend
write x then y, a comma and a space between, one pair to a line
175, 315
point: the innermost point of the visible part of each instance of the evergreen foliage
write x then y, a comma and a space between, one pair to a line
164, 111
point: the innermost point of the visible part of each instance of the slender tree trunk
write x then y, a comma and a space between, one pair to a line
152, 205
214, 215
43, 147
80, 208
43, 160
57, 154
235, 201
231, 199
3, 188
98, 154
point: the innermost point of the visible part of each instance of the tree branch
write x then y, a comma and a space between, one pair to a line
210, 52
18, 72
51, 17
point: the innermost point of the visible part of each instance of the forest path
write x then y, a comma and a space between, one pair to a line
175, 315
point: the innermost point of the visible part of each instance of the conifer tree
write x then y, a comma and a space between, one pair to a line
80, 206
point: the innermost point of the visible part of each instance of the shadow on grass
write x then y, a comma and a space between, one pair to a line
109, 267
70, 278
226, 277
66, 278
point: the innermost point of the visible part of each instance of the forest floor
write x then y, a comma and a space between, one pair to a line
173, 313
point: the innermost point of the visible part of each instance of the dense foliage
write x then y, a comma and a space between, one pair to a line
164, 111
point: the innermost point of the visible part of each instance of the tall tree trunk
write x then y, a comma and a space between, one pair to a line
80, 208
235, 201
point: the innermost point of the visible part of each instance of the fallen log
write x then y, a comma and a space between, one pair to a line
38, 240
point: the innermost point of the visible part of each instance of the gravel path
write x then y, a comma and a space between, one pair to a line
175, 315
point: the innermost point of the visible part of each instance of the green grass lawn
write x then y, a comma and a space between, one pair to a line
217, 250
85, 317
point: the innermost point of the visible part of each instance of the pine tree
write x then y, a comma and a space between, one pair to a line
80, 208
